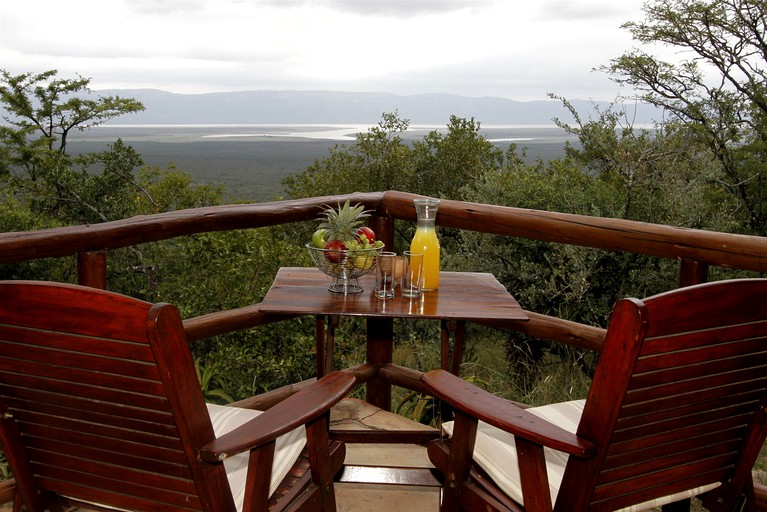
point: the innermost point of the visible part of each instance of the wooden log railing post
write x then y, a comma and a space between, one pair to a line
92, 269
692, 272
383, 226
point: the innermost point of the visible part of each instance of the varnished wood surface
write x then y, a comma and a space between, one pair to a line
461, 296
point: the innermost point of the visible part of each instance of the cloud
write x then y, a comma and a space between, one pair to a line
159, 8
551, 10
388, 8
469, 47
408, 8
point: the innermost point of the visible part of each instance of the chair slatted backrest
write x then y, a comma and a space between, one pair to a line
101, 401
689, 368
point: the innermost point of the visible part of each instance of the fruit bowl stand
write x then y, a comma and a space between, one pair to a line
344, 266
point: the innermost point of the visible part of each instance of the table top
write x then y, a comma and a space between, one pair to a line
461, 296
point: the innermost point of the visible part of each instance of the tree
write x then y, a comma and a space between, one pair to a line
720, 91
438, 165
40, 112
378, 160
53, 107
663, 175
446, 162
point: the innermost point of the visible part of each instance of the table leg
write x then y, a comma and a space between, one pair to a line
451, 359
380, 350
319, 339
325, 342
330, 342
445, 339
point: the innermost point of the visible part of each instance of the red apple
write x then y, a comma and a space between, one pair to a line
334, 251
368, 233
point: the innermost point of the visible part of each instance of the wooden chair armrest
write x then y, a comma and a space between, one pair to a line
500, 413
299, 409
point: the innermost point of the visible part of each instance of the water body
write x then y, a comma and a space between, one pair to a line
251, 161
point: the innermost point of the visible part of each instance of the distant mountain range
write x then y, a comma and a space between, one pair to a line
317, 107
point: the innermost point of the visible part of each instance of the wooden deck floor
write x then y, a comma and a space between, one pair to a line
354, 496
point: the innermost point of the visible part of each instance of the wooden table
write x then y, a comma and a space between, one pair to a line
462, 297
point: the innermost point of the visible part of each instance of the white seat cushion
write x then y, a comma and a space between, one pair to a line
289, 446
495, 452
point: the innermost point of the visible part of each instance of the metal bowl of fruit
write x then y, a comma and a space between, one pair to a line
344, 249
344, 266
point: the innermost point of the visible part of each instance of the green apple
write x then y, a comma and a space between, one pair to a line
318, 238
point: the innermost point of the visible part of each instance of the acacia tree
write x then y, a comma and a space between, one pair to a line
720, 90
53, 107
40, 111
664, 174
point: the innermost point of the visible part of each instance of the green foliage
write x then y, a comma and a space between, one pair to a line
210, 383
251, 362
719, 93
662, 175
566, 281
445, 163
616, 171
439, 165
163, 190
420, 408
15, 216
378, 160
40, 112
69, 191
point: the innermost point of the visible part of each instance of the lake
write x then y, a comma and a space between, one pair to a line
252, 160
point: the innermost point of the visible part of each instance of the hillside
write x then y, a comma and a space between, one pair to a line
309, 107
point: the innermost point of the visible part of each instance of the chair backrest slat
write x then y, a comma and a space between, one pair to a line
88, 383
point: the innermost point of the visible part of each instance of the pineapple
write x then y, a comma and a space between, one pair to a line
342, 223
340, 234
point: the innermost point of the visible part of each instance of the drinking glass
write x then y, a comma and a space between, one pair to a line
412, 274
385, 275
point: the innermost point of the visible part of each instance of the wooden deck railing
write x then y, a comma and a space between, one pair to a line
696, 250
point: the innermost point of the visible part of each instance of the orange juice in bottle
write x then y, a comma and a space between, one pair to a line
425, 240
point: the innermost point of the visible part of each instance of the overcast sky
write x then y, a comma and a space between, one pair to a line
518, 49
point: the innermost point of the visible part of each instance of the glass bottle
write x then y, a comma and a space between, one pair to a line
425, 241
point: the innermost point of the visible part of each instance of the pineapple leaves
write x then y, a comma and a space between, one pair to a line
341, 223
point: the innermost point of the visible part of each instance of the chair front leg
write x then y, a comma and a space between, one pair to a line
257, 489
533, 474
322, 460
458, 462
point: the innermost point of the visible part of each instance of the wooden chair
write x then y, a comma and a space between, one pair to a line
101, 408
675, 409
